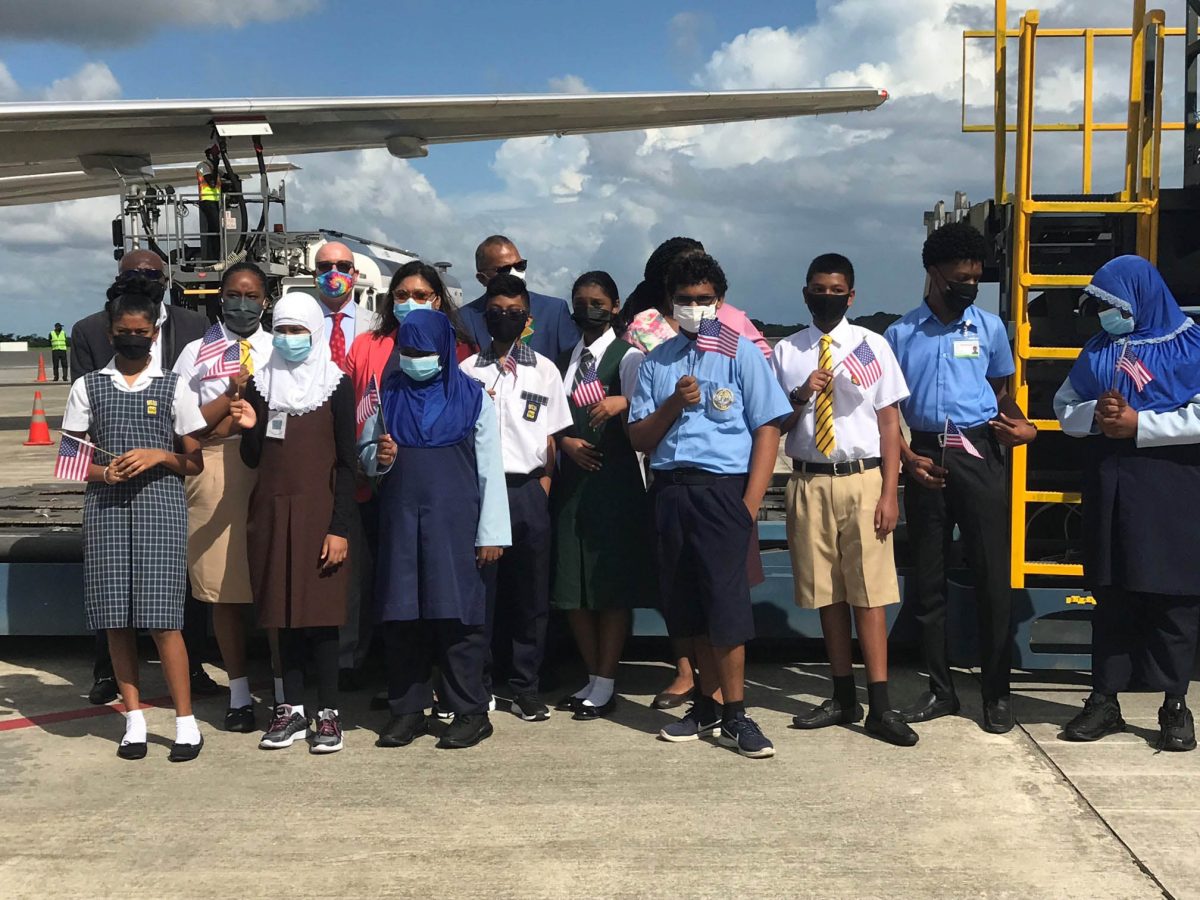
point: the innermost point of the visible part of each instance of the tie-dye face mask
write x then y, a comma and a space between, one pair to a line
334, 284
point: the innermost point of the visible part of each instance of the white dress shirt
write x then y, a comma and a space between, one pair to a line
209, 389
628, 367
855, 423
78, 414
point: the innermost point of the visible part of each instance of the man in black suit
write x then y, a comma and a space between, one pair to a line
91, 349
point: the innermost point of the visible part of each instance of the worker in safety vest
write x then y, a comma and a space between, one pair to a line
208, 180
58, 350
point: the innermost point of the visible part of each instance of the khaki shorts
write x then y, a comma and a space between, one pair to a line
836, 557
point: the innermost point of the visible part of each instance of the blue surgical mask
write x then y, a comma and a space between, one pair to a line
1115, 323
293, 347
420, 368
403, 308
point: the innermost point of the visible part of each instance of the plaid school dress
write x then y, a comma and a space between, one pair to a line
134, 532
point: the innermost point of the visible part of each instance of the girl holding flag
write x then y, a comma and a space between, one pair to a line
1134, 397
135, 512
603, 563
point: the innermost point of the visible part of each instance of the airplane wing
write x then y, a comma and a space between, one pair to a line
131, 138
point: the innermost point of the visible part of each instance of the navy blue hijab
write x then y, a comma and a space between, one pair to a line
1164, 339
440, 412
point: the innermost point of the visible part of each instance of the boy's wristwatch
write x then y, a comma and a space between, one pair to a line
794, 396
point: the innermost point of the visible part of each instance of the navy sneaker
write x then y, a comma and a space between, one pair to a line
285, 729
743, 734
529, 708
328, 736
695, 724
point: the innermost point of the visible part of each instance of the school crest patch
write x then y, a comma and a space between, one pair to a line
722, 400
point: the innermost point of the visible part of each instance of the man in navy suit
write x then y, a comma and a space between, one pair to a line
550, 332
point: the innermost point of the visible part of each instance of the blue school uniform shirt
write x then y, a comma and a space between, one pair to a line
737, 395
947, 367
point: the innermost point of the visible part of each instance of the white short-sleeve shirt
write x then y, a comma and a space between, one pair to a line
855, 425
209, 389
78, 414
531, 404
628, 368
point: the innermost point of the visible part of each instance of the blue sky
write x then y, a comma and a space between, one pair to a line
764, 197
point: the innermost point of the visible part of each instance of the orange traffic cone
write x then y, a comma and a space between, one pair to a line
39, 428
41, 368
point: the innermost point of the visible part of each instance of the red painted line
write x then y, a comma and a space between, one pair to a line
70, 715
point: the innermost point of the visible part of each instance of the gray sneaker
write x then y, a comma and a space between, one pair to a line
285, 729
328, 736
695, 724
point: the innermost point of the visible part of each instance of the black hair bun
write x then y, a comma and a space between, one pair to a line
136, 284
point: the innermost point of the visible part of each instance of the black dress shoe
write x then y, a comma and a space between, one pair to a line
379, 702
467, 731
828, 713
203, 685
892, 728
401, 731
666, 700
240, 720
185, 752
998, 716
568, 703
1177, 728
132, 751
585, 711
104, 690
1101, 716
930, 706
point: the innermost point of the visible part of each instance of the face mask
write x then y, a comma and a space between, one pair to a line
1114, 323
132, 346
958, 295
420, 368
293, 347
241, 315
334, 284
827, 309
520, 275
689, 317
502, 328
592, 317
403, 308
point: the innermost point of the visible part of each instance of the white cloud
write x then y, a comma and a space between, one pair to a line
569, 84
94, 81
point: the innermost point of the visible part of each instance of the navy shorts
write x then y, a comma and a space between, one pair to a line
704, 533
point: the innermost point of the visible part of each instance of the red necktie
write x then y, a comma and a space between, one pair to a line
337, 342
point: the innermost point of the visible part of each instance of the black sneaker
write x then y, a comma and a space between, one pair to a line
743, 734
1101, 716
466, 731
529, 708
285, 729
203, 685
401, 731
328, 736
103, 691
695, 724
1177, 729
240, 720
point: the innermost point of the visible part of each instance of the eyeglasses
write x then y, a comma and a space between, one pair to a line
512, 313
519, 266
420, 296
695, 300
345, 266
148, 274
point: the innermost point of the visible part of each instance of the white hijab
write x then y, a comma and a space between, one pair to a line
299, 388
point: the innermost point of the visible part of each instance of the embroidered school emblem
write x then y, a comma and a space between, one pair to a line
722, 399
152, 407
533, 405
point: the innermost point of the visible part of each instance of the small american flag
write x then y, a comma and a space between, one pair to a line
1135, 369
589, 390
509, 365
228, 365
74, 457
955, 438
715, 335
368, 405
862, 365
212, 345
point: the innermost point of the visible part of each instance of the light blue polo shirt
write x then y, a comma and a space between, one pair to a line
737, 395
947, 367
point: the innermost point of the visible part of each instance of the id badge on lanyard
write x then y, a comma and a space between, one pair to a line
277, 425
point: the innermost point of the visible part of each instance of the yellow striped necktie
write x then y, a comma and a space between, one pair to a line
823, 430
247, 359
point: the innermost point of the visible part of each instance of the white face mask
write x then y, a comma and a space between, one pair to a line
520, 275
689, 317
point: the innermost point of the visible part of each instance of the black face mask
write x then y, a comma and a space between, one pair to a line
503, 327
827, 309
958, 295
241, 315
132, 346
592, 317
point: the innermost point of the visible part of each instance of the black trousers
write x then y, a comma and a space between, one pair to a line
458, 650
518, 606
195, 637
302, 648
60, 361
976, 499
1143, 642
210, 230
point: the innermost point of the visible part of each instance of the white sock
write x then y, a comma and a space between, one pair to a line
135, 727
279, 698
601, 692
586, 689
186, 730
298, 710
239, 693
